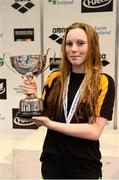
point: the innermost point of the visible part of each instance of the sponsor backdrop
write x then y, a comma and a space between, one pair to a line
33, 26
19, 35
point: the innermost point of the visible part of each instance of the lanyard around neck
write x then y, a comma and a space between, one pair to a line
68, 116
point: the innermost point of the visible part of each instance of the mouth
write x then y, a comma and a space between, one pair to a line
75, 56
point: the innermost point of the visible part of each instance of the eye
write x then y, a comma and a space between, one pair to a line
80, 43
69, 43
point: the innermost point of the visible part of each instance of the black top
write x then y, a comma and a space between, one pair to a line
74, 83
60, 145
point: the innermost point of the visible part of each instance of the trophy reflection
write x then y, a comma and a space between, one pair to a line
29, 66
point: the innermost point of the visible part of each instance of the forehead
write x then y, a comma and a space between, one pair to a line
77, 33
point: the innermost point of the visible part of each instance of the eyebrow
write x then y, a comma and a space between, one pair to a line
77, 40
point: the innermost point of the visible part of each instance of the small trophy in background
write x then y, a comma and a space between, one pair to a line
29, 66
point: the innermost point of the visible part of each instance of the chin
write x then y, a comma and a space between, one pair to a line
76, 63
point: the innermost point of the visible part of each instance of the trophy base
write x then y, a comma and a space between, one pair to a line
29, 114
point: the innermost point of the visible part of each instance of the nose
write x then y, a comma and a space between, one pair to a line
74, 47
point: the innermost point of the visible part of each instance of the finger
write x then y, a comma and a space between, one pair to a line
38, 123
27, 81
39, 118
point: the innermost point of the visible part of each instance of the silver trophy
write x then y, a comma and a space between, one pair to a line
29, 66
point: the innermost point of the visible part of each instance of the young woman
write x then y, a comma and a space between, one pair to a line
78, 100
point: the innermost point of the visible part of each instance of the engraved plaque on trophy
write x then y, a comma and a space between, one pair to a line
29, 66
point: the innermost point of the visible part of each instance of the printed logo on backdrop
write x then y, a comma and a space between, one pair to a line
55, 64
17, 90
90, 6
61, 2
1, 62
19, 123
23, 5
57, 35
3, 91
24, 34
102, 30
104, 59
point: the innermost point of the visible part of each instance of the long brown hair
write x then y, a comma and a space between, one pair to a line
93, 68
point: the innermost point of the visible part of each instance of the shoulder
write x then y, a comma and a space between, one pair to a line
106, 81
107, 88
52, 76
106, 97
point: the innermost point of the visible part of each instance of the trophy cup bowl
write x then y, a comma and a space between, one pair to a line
29, 66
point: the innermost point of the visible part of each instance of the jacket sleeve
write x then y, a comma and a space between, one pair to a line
106, 98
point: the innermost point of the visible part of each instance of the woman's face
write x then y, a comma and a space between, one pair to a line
76, 48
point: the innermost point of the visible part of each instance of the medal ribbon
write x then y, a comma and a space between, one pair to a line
68, 116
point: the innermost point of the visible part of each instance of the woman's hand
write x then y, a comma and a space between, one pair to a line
42, 121
29, 87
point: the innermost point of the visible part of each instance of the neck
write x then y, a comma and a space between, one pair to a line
77, 69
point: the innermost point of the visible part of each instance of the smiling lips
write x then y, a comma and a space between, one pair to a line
75, 56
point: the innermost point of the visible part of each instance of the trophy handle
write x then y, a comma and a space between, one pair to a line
4, 58
53, 59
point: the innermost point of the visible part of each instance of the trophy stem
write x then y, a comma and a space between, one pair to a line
29, 76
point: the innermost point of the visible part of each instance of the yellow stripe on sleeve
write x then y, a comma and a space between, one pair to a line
103, 90
48, 82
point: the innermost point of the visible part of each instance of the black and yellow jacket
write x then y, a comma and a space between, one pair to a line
60, 145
